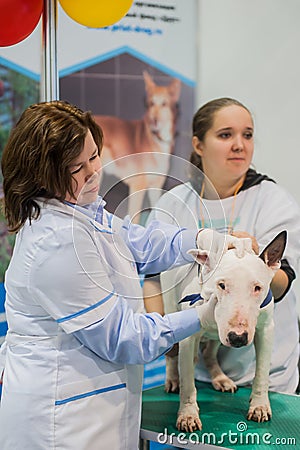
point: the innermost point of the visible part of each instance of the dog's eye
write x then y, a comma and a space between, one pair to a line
257, 288
222, 286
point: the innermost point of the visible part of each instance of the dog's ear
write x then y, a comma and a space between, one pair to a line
175, 89
201, 257
149, 83
273, 253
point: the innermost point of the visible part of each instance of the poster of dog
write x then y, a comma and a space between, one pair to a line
145, 115
138, 151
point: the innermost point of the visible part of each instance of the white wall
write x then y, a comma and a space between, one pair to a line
250, 50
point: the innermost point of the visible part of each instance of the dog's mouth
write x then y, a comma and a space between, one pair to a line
167, 138
236, 340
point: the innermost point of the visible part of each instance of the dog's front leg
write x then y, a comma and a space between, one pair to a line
172, 375
260, 409
188, 414
137, 189
220, 381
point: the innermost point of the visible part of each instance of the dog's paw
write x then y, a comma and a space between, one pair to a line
260, 413
172, 385
260, 409
224, 384
188, 419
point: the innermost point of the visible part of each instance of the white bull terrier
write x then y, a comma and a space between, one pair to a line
238, 288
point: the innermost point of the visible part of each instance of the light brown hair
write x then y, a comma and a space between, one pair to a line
203, 121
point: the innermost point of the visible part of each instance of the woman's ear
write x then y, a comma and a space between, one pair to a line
197, 145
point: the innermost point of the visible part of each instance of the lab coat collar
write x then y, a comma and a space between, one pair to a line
93, 210
81, 213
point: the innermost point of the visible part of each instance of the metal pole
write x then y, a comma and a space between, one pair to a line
49, 87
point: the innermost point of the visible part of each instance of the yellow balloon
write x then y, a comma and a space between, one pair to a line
96, 13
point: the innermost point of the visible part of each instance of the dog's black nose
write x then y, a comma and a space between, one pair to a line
237, 340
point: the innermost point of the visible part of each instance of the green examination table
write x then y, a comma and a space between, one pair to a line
224, 422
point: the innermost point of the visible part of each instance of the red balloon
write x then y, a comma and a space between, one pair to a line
18, 19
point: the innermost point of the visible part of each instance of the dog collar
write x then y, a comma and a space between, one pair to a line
267, 300
193, 298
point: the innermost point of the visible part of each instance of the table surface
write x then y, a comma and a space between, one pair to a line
224, 422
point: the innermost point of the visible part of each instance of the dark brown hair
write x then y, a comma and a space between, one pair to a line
203, 121
35, 163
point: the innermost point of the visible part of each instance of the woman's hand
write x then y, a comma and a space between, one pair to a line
244, 234
218, 243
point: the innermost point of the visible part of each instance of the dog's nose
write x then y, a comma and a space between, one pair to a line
237, 340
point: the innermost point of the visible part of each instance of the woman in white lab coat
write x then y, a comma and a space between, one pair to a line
77, 337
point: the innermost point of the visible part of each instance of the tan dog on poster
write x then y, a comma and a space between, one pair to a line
137, 151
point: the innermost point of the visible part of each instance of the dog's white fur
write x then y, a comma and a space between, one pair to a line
137, 151
235, 287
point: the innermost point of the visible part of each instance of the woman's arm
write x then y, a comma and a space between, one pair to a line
279, 284
131, 338
153, 299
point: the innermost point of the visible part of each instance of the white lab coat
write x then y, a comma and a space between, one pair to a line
69, 273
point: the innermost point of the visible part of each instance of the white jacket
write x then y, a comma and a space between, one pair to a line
70, 281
